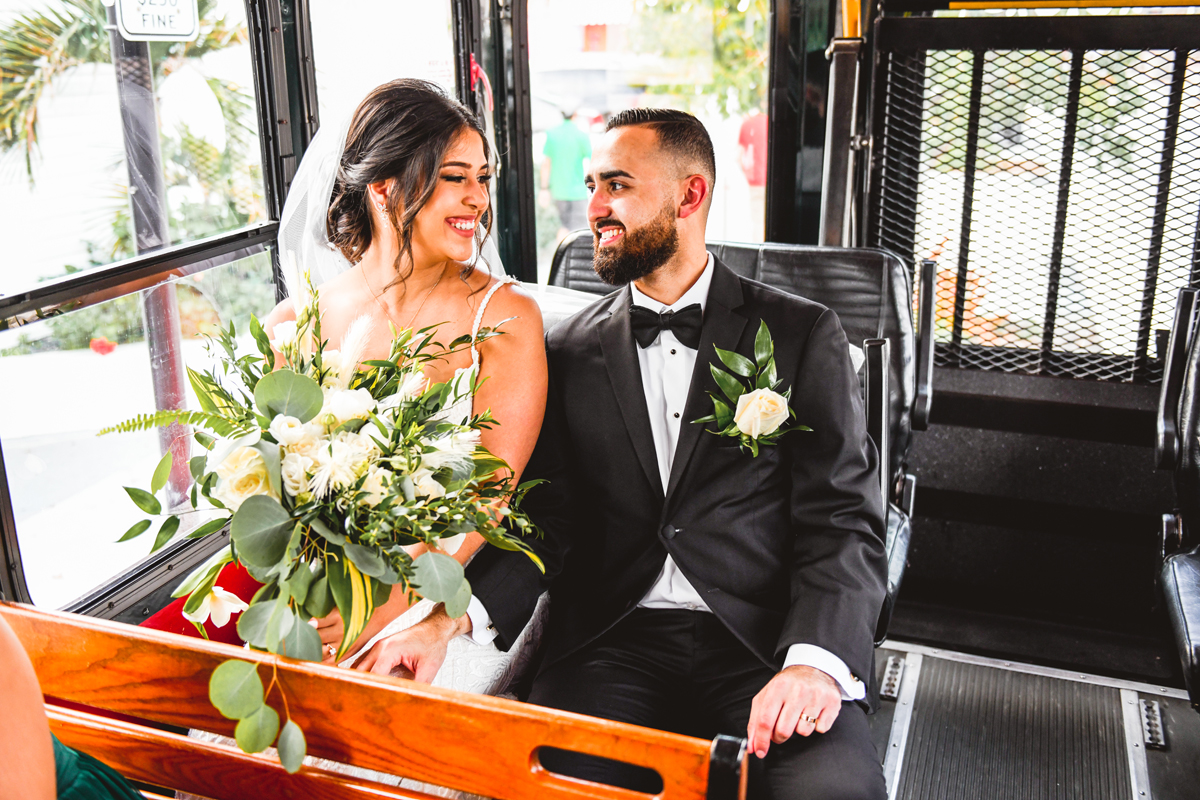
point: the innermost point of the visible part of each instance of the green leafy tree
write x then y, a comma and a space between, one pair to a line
736, 43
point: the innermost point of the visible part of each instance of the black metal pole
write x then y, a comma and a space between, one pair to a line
1074, 88
147, 198
1154, 256
964, 246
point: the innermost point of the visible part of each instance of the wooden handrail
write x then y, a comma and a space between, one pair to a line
475, 743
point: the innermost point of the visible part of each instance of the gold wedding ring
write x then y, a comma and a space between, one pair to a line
807, 718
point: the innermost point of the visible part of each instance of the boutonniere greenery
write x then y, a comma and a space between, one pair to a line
751, 408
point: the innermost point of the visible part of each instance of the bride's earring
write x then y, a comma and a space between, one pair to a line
380, 207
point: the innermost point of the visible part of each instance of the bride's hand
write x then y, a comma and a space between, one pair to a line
416, 652
330, 630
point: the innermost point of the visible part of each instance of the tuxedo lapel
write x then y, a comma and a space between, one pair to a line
620, 358
723, 328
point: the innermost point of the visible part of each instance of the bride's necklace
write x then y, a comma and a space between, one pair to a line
386, 313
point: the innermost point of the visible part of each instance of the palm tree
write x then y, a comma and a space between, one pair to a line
39, 47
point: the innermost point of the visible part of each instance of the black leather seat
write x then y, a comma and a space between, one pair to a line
871, 292
1177, 447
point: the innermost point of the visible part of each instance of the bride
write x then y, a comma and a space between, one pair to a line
390, 218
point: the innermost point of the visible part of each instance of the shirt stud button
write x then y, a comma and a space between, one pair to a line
672, 351
676, 415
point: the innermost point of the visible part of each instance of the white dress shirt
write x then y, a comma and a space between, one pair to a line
666, 369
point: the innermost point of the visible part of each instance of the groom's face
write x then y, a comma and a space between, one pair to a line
632, 210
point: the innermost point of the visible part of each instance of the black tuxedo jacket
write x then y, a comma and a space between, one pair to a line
784, 548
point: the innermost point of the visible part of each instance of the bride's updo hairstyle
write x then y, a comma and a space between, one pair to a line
401, 130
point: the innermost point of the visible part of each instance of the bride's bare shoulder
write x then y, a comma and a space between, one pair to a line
509, 302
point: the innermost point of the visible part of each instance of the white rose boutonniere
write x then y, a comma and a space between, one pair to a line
750, 408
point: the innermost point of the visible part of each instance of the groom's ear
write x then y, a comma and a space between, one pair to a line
696, 192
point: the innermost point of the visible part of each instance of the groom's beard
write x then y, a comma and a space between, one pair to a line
639, 252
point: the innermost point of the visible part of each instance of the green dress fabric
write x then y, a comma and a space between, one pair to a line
81, 777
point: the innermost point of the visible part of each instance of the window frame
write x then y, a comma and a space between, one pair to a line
285, 103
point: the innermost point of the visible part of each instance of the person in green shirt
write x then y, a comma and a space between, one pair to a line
565, 153
34, 765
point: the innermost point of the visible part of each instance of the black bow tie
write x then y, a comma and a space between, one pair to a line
684, 323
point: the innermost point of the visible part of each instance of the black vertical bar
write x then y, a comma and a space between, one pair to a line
782, 123
509, 73
1074, 87
12, 577
465, 22
964, 248
1154, 256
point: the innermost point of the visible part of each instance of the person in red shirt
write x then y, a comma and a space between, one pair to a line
752, 156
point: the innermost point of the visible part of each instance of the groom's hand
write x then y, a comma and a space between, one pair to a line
787, 704
418, 651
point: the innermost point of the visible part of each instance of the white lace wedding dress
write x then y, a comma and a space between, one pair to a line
469, 667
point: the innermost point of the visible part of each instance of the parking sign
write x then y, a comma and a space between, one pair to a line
158, 20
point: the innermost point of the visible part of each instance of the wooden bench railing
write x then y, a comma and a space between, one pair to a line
479, 744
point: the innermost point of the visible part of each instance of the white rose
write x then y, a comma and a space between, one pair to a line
294, 471
760, 412
425, 484
287, 430
242, 474
312, 438
283, 335
375, 486
350, 404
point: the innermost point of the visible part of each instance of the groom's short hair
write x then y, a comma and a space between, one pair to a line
679, 133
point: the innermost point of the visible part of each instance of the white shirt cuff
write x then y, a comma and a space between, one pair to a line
809, 655
482, 631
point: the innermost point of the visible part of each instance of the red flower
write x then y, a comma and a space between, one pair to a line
102, 345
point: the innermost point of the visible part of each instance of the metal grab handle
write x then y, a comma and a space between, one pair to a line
1166, 432
878, 353
927, 299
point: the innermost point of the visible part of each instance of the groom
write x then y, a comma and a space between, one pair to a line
694, 588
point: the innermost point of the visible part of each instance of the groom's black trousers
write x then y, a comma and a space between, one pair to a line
683, 671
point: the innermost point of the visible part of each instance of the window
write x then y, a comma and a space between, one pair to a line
65, 186
358, 47
708, 57
71, 375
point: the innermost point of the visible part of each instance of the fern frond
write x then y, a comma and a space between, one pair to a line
219, 425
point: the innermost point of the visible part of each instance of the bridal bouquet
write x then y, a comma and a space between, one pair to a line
324, 467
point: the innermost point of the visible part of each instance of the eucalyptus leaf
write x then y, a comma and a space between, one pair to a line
144, 500
437, 576
252, 624
302, 642
196, 466
328, 533
300, 582
161, 472
256, 731
292, 747
457, 605
273, 460
279, 623
235, 689
206, 440
169, 527
286, 392
137, 530
367, 559
319, 602
736, 362
261, 529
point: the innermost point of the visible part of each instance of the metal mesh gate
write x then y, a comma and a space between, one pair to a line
1056, 188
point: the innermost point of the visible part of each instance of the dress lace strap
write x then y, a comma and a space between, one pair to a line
504, 281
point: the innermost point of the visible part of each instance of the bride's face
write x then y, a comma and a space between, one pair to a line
445, 227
